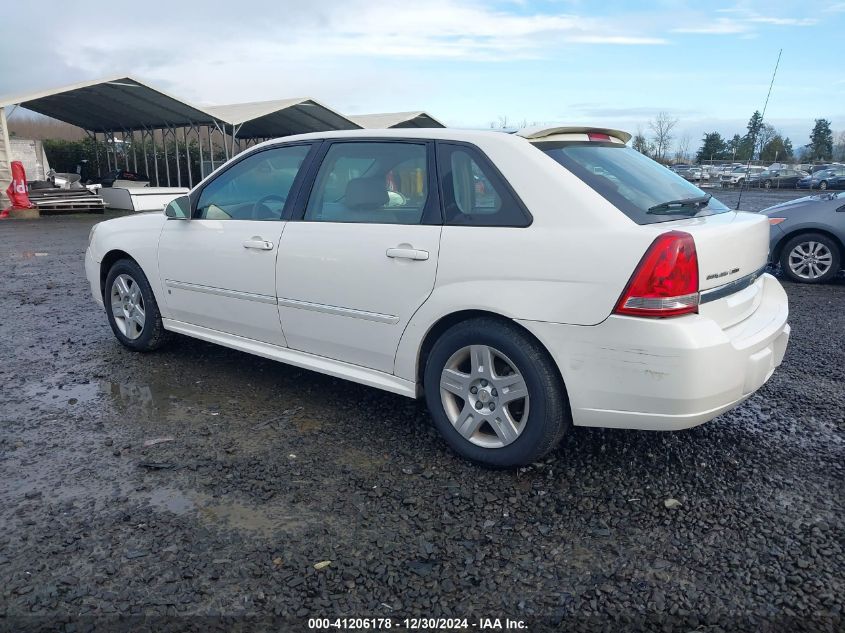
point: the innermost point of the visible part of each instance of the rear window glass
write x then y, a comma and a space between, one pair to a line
633, 183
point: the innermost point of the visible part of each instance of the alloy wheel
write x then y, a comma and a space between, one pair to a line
127, 306
810, 260
485, 396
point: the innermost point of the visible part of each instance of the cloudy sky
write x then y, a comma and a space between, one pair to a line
467, 62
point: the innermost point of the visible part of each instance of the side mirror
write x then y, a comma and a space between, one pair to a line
179, 209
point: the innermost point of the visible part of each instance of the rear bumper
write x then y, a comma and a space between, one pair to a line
667, 374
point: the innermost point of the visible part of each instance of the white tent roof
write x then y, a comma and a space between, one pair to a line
396, 119
281, 117
114, 103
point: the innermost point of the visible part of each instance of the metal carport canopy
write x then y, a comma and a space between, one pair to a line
116, 103
396, 119
281, 117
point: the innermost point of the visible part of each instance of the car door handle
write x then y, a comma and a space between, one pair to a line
407, 253
258, 243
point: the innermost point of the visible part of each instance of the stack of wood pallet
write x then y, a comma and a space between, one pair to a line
52, 201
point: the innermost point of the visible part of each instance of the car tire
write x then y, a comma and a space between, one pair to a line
768, 184
515, 430
825, 251
132, 309
823, 185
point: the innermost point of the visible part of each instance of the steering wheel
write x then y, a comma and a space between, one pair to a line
259, 205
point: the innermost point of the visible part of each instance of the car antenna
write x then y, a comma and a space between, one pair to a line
754, 138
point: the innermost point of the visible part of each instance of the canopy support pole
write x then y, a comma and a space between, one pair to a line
125, 153
166, 161
134, 155
188, 156
93, 135
210, 146
155, 154
223, 136
235, 130
106, 144
144, 145
178, 166
199, 142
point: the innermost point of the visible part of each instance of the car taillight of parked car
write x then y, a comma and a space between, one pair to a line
665, 282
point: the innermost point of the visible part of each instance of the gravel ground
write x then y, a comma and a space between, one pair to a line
273, 470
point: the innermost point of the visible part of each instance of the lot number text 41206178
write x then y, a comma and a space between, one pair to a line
415, 624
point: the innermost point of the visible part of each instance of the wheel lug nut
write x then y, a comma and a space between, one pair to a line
495, 393
473, 390
478, 405
492, 406
483, 383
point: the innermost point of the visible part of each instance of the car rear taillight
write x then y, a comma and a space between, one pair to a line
665, 282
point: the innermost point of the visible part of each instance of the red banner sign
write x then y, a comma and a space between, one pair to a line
17, 190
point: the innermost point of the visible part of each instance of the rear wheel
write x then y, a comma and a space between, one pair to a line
131, 307
823, 185
810, 258
495, 394
768, 184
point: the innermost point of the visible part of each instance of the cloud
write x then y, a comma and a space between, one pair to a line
329, 49
720, 26
743, 21
624, 40
466, 60
762, 19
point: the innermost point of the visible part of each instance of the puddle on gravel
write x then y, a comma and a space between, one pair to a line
126, 393
174, 501
229, 514
160, 400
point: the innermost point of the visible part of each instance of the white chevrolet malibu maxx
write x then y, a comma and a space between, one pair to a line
519, 282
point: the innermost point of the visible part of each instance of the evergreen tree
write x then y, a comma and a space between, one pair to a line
732, 148
821, 140
777, 149
746, 148
713, 147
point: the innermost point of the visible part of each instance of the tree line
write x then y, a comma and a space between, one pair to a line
761, 141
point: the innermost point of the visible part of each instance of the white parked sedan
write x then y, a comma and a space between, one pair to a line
519, 282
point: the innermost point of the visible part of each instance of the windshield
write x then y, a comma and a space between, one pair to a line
635, 184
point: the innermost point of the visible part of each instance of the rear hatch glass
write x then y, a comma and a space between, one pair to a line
644, 190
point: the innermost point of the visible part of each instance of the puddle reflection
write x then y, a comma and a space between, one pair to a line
264, 520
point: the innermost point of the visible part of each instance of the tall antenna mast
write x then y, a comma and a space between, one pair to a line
754, 138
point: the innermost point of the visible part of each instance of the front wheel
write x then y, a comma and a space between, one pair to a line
823, 185
131, 307
768, 184
810, 258
495, 394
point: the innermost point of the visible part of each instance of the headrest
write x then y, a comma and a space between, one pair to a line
366, 193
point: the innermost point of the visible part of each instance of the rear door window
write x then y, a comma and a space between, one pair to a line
474, 193
371, 182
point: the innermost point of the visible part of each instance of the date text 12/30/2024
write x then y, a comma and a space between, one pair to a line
415, 624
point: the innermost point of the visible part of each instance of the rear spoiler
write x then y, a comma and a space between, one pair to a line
536, 133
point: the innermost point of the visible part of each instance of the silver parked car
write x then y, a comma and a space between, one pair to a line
808, 237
